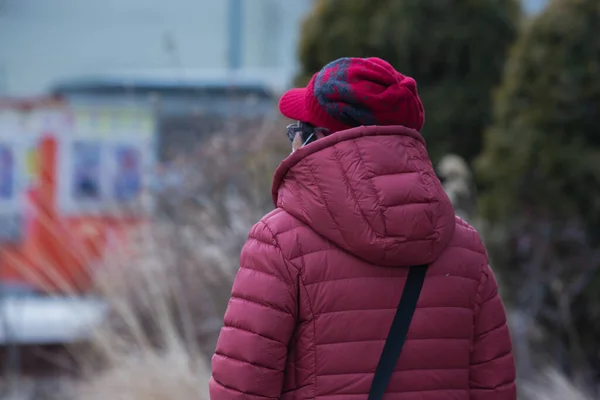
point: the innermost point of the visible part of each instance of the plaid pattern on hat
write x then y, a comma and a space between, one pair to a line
351, 92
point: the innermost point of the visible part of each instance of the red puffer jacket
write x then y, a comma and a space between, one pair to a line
321, 277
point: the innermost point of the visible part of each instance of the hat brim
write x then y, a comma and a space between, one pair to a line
293, 104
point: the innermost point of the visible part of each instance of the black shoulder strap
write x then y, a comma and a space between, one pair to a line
397, 336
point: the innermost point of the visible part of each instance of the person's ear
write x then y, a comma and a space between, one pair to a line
297, 143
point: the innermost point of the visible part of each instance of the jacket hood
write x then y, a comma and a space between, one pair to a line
372, 191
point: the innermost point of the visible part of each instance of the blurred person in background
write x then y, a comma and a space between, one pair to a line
457, 182
360, 220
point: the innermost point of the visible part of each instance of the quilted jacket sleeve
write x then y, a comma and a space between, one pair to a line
251, 352
492, 371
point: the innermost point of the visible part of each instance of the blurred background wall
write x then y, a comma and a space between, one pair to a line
42, 41
501, 88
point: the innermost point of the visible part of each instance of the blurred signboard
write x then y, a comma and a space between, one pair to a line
68, 170
105, 158
17, 171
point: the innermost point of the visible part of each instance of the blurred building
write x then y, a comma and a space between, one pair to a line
43, 41
187, 107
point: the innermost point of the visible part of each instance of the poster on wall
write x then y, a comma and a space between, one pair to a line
12, 187
7, 172
104, 163
127, 176
86, 179
50, 118
22, 123
10, 212
31, 162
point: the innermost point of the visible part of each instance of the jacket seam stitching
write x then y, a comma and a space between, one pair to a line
239, 391
338, 161
314, 323
315, 181
240, 328
303, 208
411, 149
498, 327
283, 257
495, 388
478, 298
506, 354
238, 360
247, 300
264, 273
476, 309
287, 263
369, 179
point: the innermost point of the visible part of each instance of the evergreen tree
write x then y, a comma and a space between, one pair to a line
455, 49
540, 170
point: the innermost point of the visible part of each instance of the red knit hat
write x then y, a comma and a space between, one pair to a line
351, 92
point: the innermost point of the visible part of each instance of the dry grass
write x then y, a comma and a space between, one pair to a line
551, 385
158, 344
174, 373
170, 290
150, 348
169, 286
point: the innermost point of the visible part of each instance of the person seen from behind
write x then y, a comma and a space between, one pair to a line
362, 281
